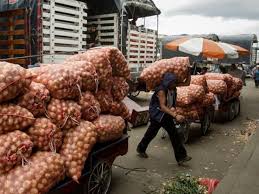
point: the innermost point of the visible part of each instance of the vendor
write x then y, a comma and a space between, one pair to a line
161, 115
256, 76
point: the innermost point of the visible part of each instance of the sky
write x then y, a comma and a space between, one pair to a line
207, 16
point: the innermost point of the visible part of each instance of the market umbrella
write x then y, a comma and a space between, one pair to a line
206, 48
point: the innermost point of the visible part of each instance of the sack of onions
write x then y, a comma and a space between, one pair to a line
87, 72
64, 113
120, 109
193, 112
35, 99
15, 148
200, 80
45, 135
105, 99
153, 75
90, 107
118, 62
61, 81
13, 117
120, 88
13, 80
189, 94
44, 170
208, 100
218, 76
109, 128
78, 143
98, 58
106, 84
236, 86
218, 87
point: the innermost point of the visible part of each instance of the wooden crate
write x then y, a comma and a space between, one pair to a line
64, 29
141, 48
108, 28
15, 36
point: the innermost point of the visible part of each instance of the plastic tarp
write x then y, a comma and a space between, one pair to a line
133, 8
138, 8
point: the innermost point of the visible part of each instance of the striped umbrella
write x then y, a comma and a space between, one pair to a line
206, 48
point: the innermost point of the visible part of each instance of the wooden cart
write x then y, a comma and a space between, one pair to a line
97, 174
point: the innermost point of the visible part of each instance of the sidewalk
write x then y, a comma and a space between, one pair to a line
242, 177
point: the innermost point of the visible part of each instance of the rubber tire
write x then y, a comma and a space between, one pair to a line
231, 112
87, 185
237, 108
205, 124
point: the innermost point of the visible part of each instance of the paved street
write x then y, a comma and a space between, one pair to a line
213, 154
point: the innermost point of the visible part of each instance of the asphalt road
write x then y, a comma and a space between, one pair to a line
212, 155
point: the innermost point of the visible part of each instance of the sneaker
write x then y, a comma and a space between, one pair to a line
142, 154
186, 159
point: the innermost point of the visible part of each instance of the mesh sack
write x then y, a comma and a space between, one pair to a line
44, 170
13, 80
64, 113
35, 99
90, 107
62, 81
109, 128
78, 143
153, 75
13, 117
45, 135
15, 148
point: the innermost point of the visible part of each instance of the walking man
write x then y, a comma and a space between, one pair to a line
161, 115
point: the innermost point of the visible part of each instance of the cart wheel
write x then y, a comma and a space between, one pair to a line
205, 124
134, 94
184, 131
231, 111
237, 108
100, 179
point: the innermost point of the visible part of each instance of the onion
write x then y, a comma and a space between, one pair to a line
64, 113
87, 72
218, 87
44, 171
105, 99
13, 80
13, 117
193, 112
61, 80
90, 107
98, 58
75, 154
120, 109
208, 100
200, 80
153, 75
15, 146
35, 99
120, 88
109, 127
45, 135
189, 94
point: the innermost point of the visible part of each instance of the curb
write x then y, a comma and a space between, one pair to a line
232, 179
